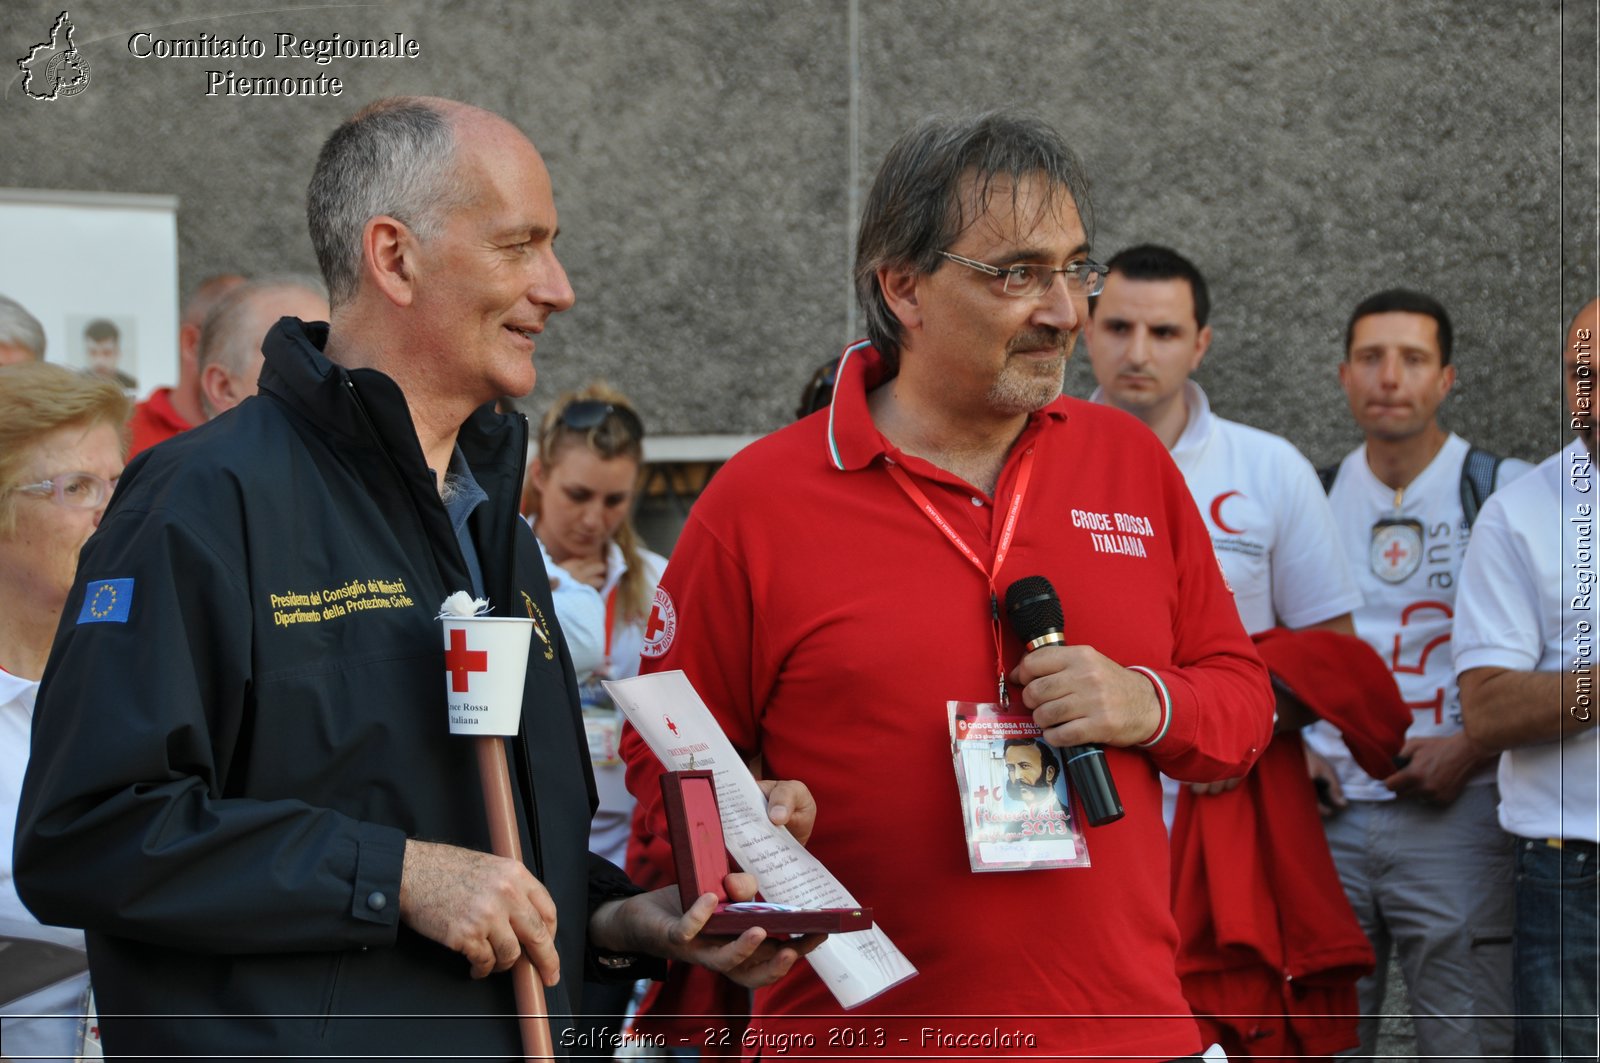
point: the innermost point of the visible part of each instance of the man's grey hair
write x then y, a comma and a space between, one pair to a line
921, 201
396, 156
206, 295
231, 335
18, 328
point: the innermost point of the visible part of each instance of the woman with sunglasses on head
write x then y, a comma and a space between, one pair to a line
581, 487
61, 449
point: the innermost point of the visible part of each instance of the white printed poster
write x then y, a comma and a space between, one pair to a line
100, 272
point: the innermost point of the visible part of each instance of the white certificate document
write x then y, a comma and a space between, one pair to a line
676, 725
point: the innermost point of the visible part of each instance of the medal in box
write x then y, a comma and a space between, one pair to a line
701, 857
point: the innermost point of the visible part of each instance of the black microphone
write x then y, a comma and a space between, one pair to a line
1035, 613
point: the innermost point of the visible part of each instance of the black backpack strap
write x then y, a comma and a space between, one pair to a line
1327, 474
1478, 473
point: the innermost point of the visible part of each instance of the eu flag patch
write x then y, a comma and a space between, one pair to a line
107, 601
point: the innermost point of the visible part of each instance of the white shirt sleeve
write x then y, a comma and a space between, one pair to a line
1509, 470
1310, 575
1497, 622
581, 614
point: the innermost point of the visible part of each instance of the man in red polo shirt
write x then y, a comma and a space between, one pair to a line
830, 622
167, 411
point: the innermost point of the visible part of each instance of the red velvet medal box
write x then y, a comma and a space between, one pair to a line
702, 862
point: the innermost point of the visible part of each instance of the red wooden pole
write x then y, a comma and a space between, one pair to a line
507, 842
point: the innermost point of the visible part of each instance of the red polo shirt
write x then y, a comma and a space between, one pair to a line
826, 622
154, 420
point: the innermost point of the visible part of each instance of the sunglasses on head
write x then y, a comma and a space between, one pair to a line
587, 414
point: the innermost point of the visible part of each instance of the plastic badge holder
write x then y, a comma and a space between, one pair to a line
698, 851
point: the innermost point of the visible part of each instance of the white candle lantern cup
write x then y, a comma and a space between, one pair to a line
485, 663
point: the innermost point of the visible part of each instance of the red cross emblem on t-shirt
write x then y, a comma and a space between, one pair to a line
459, 661
1396, 549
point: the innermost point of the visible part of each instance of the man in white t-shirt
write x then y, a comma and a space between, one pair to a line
1422, 859
1525, 647
1268, 518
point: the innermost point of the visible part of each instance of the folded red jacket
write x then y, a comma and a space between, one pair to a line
1343, 681
1270, 950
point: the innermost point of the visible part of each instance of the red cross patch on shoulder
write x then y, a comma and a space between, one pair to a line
661, 626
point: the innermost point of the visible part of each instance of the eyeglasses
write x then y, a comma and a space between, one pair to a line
75, 490
587, 414
1027, 279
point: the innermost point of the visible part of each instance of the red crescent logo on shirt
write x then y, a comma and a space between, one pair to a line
1216, 512
661, 625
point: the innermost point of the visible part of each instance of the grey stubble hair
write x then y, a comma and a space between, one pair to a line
396, 156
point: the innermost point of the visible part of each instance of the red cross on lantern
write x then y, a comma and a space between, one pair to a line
1394, 553
459, 661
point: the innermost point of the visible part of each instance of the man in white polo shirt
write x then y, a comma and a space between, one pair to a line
1269, 521
1426, 867
1524, 651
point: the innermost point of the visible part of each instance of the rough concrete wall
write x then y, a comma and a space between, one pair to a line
1304, 155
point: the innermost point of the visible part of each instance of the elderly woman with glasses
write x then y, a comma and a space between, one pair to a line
581, 487
61, 450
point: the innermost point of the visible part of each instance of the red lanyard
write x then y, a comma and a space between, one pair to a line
1013, 510
611, 613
